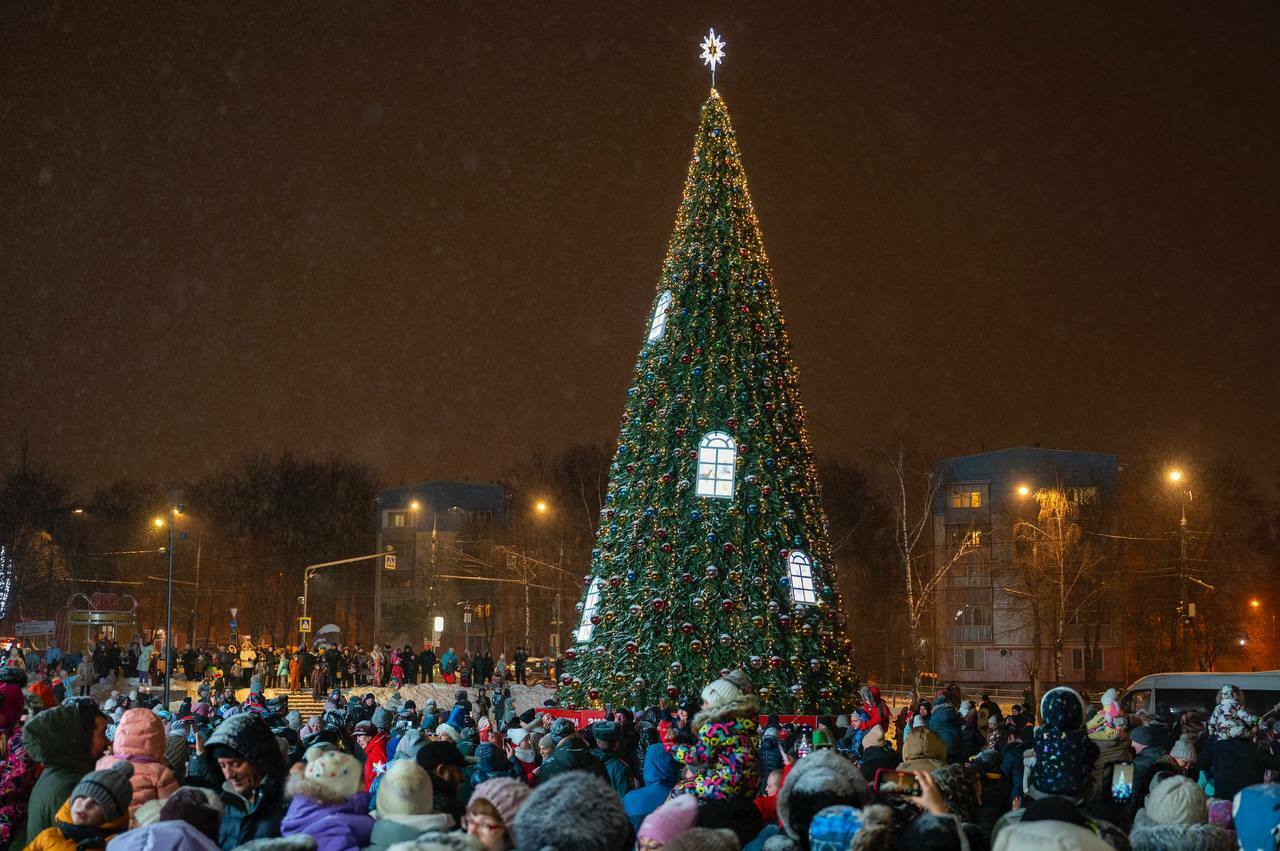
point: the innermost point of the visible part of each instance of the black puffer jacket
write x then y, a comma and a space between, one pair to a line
1234, 764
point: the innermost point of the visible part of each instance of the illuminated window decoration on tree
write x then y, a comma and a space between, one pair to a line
589, 609
800, 572
659, 324
6, 580
713, 485
716, 455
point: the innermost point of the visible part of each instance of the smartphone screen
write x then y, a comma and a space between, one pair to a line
902, 783
1122, 781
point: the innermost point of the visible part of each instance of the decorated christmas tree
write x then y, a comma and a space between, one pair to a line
712, 552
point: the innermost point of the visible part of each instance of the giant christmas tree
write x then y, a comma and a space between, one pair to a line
712, 551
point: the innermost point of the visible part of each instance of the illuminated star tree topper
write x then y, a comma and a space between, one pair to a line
712, 53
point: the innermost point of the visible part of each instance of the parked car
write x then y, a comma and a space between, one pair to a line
1170, 694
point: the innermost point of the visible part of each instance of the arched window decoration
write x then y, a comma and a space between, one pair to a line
800, 571
588, 611
716, 455
658, 326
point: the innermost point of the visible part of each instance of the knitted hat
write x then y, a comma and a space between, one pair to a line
740, 680
1257, 815
200, 808
110, 789
958, 786
573, 810
383, 718
432, 755
449, 730
1183, 749
606, 731
820, 780
561, 728
404, 790
332, 777
177, 752
293, 720
721, 691
505, 794
1151, 733
670, 820
1177, 800
364, 728
317, 750
704, 839
833, 828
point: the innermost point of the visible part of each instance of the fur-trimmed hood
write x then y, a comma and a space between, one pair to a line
1180, 837
747, 706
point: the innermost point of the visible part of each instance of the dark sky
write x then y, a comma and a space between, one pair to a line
428, 234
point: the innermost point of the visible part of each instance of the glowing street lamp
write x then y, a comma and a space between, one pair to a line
541, 506
1175, 475
158, 522
414, 505
1024, 490
1255, 603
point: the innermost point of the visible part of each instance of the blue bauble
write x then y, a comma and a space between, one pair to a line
797, 540
697, 371
595, 554
768, 463
785, 581
753, 509
631, 576
695, 515
651, 512
711, 537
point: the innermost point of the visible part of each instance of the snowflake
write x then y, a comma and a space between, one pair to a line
712, 50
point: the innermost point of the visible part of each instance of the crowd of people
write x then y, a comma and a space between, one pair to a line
713, 772
293, 667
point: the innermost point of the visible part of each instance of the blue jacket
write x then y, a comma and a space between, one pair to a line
660, 776
448, 662
945, 721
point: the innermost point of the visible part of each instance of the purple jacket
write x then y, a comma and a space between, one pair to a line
335, 827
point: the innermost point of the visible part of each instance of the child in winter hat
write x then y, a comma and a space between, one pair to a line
97, 810
1229, 719
491, 812
140, 740
1064, 753
328, 805
1102, 726
404, 808
1176, 815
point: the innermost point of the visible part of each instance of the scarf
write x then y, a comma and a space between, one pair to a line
83, 836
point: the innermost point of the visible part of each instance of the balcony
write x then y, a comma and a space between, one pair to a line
1075, 633
962, 579
969, 634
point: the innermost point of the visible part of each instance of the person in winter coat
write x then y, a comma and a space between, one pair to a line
724, 754
427, 665
971, 736
491, 812
140, 740
404, 807
96, 811
18, 772
491, 762
243, 753
608, 736
876, 754
569, 753
328, 804
1175, 818
659, 778
85, 677
820, 780
66, 740
945, 721
1232, 760
444, 762
374, 744
922, 750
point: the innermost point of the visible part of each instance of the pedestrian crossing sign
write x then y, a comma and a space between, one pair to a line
304, 624
390, 563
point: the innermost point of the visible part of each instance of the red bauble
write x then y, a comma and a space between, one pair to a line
759, 328
614, 581
594, 694
785, 621
727, 605
731, 422
571, 654
685, 359
661, 533
632, 647
686, 578
673, 692
766, 490
825, 693
666, 548
651, 401
679, 432
666, 478
658, 604
686, 628
595, 620
775, 662
631, 468
728, 548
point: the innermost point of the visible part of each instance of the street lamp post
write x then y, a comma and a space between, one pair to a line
175, 509
1184, 604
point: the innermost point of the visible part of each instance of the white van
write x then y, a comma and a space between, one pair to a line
1171, 694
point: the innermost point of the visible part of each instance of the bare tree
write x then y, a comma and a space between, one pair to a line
1059, 569
913, 499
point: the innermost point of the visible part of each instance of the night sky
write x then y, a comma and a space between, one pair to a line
427, 235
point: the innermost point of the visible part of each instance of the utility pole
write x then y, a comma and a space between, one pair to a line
1184, 605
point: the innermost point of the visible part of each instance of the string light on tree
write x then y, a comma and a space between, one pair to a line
712, 550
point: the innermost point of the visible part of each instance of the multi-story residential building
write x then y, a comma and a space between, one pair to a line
439, 531
999, 591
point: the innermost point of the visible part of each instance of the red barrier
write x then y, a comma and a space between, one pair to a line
583, 717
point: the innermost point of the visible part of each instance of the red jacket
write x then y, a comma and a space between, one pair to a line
375, 758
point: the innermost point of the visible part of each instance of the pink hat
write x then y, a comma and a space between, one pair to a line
505, 794
670, 820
